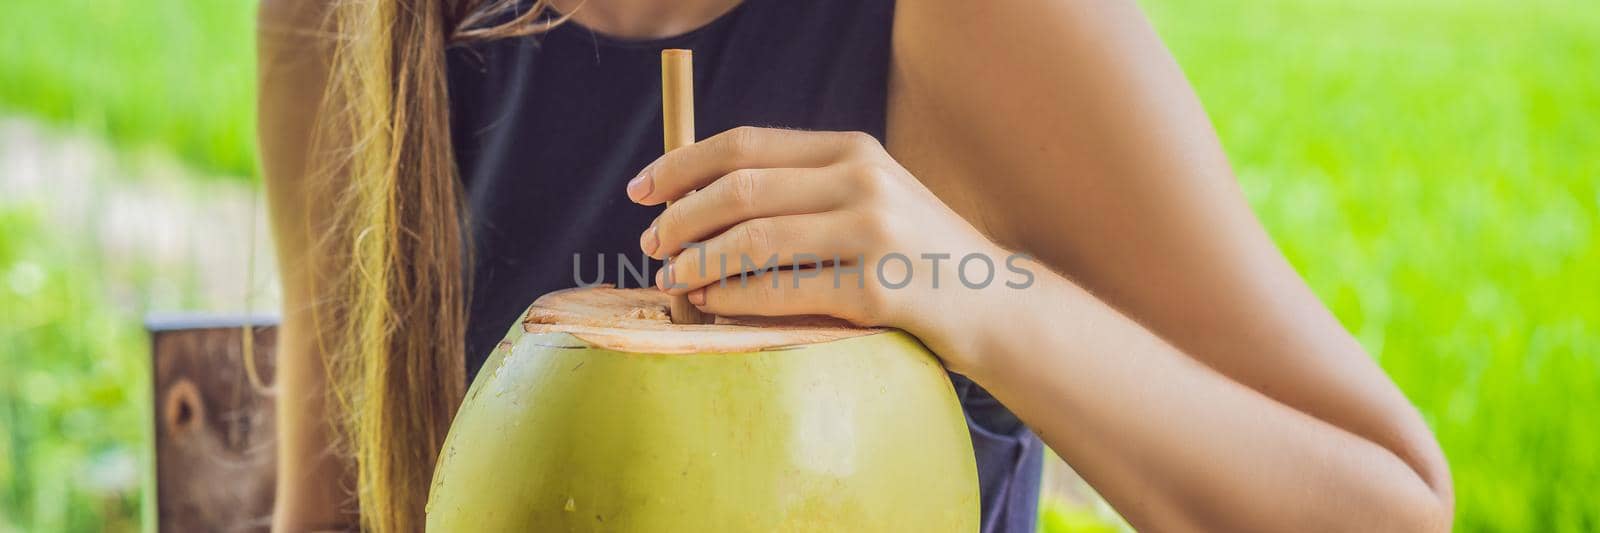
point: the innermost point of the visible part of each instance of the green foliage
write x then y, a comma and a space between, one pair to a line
1064, 517
175, 75
74, 390
1430, 167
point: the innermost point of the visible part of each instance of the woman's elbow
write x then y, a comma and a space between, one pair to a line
1437, 517
1433, 511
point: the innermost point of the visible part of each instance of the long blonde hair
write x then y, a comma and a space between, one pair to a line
394, 317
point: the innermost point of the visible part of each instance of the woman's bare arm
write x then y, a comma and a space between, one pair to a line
293, 54
1193, 378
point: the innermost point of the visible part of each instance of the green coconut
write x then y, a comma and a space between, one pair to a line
598, 414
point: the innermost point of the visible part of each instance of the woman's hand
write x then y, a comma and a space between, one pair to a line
834, 204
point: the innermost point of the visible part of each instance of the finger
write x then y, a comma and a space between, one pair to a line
739, 196
828, 291
694, 166
765, 243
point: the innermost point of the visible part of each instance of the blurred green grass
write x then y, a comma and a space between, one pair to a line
1432, 167
176, 75
74, 390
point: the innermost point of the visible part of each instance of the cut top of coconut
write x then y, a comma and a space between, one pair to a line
636, 320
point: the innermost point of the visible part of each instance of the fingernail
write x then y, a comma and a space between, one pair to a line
661, 280
640, 186
649, 241
698, 297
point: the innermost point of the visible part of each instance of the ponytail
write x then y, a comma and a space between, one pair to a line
395, 312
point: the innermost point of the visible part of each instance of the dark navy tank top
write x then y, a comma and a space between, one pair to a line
548, 130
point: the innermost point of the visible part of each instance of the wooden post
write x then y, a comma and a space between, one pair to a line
677, 120
215, 442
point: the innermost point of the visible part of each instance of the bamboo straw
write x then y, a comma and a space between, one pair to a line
677, 118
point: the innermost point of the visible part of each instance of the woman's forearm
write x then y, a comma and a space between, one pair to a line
1172, 443
1168, 441
313, 480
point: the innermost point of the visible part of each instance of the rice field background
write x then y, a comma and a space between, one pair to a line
1431, 167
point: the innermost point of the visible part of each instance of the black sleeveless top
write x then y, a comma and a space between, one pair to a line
549, 129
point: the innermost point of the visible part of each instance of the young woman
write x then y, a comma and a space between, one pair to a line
434, 165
